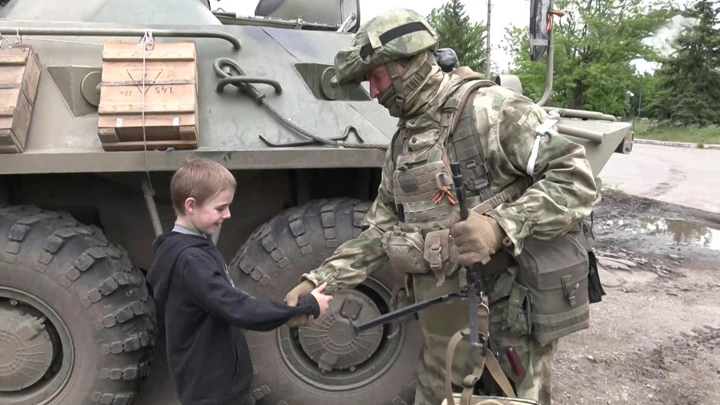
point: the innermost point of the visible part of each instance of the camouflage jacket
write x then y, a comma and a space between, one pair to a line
562, 193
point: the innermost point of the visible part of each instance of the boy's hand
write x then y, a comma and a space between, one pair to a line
322, 299
292, 299
301, 289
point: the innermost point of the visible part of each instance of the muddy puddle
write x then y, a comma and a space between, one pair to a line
668, 232
682, 232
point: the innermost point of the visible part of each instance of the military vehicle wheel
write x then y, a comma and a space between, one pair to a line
325, 364
76, 322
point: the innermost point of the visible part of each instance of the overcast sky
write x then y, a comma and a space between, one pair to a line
504, 14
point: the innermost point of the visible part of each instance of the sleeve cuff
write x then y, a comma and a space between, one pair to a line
311, 301
514, 230
313, 278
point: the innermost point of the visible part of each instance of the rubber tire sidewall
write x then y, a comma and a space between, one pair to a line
98, 374
83, 374
274, 381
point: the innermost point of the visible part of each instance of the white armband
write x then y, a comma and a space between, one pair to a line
542, 130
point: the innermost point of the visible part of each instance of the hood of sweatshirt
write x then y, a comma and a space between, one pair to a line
166, 249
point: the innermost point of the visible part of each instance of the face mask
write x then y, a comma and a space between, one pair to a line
411, 81
387, 100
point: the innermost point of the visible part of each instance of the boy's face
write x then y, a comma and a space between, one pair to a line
207, 217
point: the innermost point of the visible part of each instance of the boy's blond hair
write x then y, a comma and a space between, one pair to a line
201, 179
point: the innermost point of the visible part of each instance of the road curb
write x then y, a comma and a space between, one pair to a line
675, 144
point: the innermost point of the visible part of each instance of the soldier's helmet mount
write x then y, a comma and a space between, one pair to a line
447, 59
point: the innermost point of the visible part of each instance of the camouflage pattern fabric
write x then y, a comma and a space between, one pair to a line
508, 327
349, 63
564, 188
354, 260
562, 195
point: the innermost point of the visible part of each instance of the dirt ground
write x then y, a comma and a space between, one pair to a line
655, 337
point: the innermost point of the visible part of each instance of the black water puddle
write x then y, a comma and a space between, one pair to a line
675, 232
682, 232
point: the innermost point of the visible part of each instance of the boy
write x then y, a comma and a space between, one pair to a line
205, 315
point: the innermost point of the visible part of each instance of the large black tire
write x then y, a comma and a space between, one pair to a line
270, 263
99, 322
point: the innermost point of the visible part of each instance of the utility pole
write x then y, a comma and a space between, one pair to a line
487, 49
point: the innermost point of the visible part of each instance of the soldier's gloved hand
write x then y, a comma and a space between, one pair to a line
292, 299
476, 238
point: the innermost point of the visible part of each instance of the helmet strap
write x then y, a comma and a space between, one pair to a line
397, 87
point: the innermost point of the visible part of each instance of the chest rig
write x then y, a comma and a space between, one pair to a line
422, 180
423, 187
555, 280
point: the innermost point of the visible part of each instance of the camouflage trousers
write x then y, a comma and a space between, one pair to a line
508, 327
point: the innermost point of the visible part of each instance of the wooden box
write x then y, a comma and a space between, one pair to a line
170, 100
19, 78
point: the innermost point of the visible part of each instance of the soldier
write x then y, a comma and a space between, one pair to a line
535, 188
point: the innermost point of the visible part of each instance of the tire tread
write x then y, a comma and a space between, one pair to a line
41, 241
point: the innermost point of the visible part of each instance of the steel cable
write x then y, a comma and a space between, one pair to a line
260, 98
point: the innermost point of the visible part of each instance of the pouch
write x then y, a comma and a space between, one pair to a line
595, 288
440, 254
515, 317
405, 251
555, 272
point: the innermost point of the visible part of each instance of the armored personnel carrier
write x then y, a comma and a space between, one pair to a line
103, 99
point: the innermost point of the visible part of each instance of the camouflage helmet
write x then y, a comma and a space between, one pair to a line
392, 35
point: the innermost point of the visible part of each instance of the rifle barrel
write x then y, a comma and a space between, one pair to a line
391, 316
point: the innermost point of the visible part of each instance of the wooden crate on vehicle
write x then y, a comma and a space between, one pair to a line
170, 96
19, 79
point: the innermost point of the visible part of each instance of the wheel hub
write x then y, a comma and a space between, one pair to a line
26, 351
331, 340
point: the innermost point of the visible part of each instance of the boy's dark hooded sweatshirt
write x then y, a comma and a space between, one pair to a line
205, 315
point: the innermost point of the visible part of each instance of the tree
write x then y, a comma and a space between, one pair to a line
457, 32
689, 80
644, 88
595, 43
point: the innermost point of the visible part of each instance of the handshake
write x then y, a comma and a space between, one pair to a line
303, 288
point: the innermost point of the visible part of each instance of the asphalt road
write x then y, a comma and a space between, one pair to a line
684, 176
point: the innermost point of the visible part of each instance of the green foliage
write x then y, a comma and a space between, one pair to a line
705, 135
457, 32
644, 89
689, 80
595, 43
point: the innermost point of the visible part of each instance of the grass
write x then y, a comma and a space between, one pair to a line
612, 189
697, 135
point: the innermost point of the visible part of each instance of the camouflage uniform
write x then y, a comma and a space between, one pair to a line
561, 195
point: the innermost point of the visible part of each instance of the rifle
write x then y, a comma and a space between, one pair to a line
474, 290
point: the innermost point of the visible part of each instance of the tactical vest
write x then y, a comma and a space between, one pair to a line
424, 191
433, 151
553, 274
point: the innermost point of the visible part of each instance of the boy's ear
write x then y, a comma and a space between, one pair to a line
190, 205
